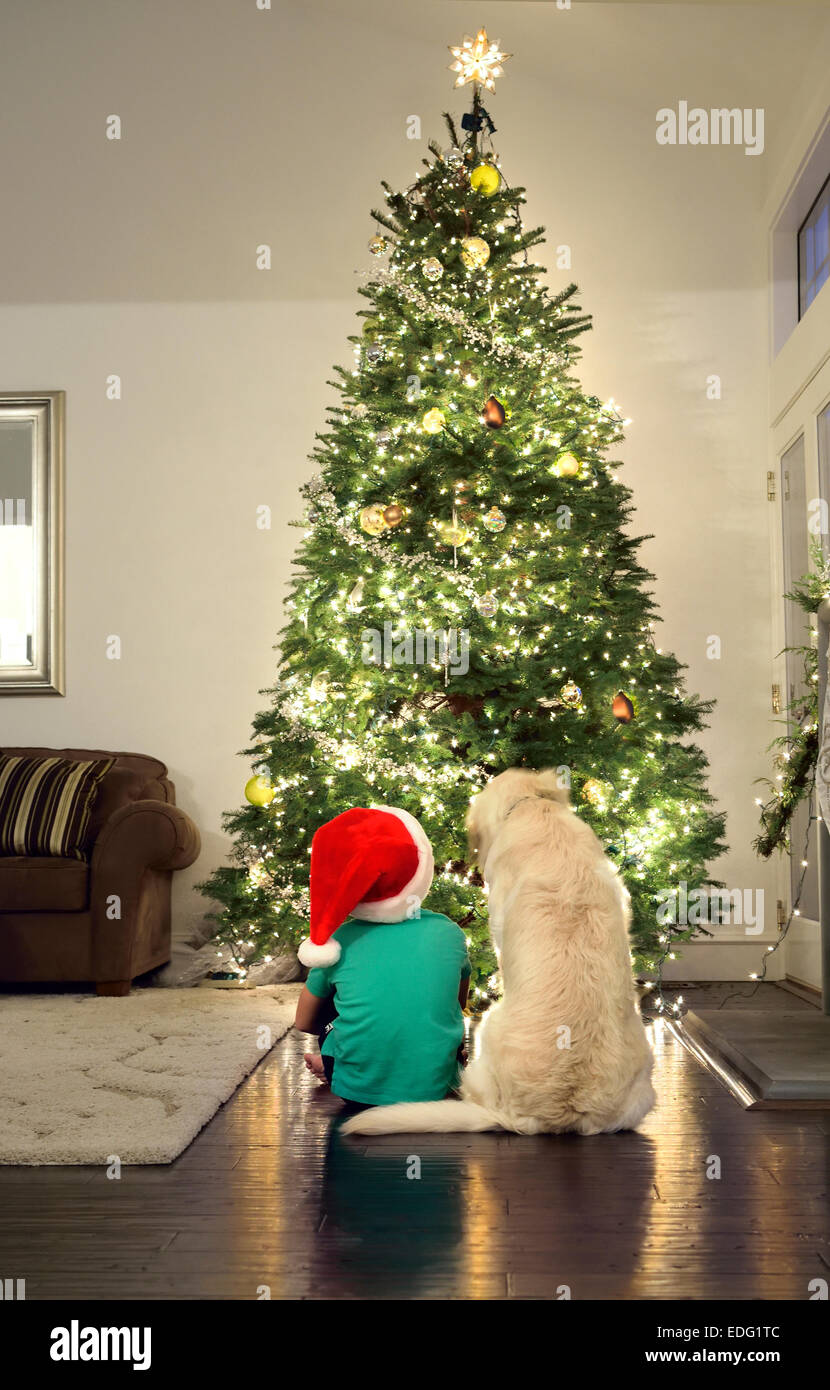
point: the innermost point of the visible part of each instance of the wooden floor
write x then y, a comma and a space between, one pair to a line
268, 1195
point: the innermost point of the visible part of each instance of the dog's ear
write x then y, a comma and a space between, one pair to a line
554, 785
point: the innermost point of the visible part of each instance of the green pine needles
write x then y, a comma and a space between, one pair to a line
467, 598
798, 748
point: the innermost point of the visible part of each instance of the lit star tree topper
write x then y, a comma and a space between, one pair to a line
478, 61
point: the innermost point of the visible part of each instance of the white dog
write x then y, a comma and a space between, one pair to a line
566, 1048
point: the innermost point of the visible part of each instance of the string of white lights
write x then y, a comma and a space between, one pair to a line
505, 352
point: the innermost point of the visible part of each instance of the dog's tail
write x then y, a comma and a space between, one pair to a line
434, 1116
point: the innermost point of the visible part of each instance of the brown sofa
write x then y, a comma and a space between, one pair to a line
54, 922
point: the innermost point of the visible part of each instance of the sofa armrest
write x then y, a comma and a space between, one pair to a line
135, 853
145, 835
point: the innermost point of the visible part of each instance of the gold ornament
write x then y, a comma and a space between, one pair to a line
566, 466
434, 421
371, 520
479, 61
571, 695
485, 178
393, 515
259, 792
432, 269
493, 413
452, 533
378, 245
475, 253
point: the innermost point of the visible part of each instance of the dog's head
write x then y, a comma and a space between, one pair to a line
490, 809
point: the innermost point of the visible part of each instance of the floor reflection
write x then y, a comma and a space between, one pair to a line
400, 1208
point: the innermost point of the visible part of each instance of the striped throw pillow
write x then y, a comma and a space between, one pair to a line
45, 804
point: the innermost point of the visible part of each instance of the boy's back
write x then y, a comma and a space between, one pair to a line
399, 1023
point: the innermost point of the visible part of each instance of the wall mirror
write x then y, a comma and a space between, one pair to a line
31, 543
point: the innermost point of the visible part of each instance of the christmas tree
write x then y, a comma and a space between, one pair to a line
467, 598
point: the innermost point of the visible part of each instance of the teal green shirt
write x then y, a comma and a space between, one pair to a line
399, 1023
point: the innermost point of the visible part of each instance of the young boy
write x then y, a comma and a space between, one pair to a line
394, 979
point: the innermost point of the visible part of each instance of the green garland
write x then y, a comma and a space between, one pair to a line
797, 753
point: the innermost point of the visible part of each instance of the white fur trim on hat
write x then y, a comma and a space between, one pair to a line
319, 956
411, 896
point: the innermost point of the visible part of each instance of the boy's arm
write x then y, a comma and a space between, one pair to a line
312, 1013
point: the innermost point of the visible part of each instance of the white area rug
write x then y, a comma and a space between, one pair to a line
82, 1078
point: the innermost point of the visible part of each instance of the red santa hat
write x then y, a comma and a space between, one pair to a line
375, 864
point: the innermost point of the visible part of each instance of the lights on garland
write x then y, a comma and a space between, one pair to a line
596, 793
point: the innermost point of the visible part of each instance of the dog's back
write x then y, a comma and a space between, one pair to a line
567, 1045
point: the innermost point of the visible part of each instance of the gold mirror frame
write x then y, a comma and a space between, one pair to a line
45, 412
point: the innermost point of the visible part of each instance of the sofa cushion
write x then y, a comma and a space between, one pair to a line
35, 884
45, 804
133, 777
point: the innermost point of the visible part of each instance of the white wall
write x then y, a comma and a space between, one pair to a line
243, 126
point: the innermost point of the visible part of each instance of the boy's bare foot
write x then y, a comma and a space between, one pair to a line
314, 1062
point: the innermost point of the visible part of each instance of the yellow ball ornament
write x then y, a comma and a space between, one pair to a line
259, 792
372, 520
475, 253
452, 533
434, 421
485, 178
566, 466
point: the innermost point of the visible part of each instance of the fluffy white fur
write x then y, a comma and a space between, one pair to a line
559, 916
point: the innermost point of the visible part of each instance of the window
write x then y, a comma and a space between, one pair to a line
814, 250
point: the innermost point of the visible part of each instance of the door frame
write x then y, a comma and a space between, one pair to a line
802, 950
